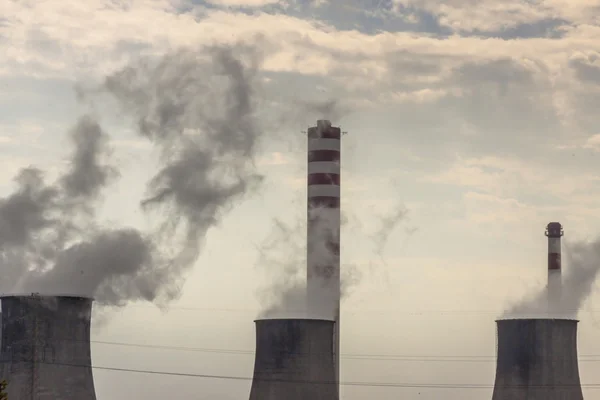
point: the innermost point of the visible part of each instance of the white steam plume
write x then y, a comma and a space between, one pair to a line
284, 256
583, 265
388, 223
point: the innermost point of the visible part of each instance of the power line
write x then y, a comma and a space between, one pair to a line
382, 357
347, 383
342, 383
346, 356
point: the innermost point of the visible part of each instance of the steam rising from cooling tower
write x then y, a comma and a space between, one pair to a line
583, 265
283, 255
45, 352
39, 220
294, 360
537, 360
198, 109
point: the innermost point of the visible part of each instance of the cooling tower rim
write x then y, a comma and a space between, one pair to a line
53, 295
537, 319
293, 319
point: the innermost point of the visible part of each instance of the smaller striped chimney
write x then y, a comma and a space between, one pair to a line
554, 231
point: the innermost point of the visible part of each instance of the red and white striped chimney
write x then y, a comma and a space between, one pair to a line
554, 231
323, 225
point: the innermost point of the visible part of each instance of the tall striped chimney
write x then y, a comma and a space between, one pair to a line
554, 231
323, 226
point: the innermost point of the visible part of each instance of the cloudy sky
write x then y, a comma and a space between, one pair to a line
478, 117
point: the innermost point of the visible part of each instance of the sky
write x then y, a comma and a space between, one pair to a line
477, 118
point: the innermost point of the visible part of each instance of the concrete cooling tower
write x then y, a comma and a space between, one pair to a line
294, 360
537, 360
45, 352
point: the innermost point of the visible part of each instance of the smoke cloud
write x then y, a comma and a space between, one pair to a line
332, 109
283, 255
583, 261
293, 113
39, 219
87, 174
198, 109
26, 212
115, 266
201, 115
387, 224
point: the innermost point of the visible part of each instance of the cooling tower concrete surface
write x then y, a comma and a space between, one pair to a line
45, 352
537, 360
294, 360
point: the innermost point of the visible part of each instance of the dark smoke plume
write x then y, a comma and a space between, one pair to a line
40, 219
583, 265
115, 266
27, 211
37, 209
201, 114
198, 109
333, 109
87, 174
295, 112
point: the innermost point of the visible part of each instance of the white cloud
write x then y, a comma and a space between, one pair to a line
593, 142
534, 77
25, 134
449, 94
509, 177
274, 159
417, 96
490, 209
491, 15
94, 37
244, 3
